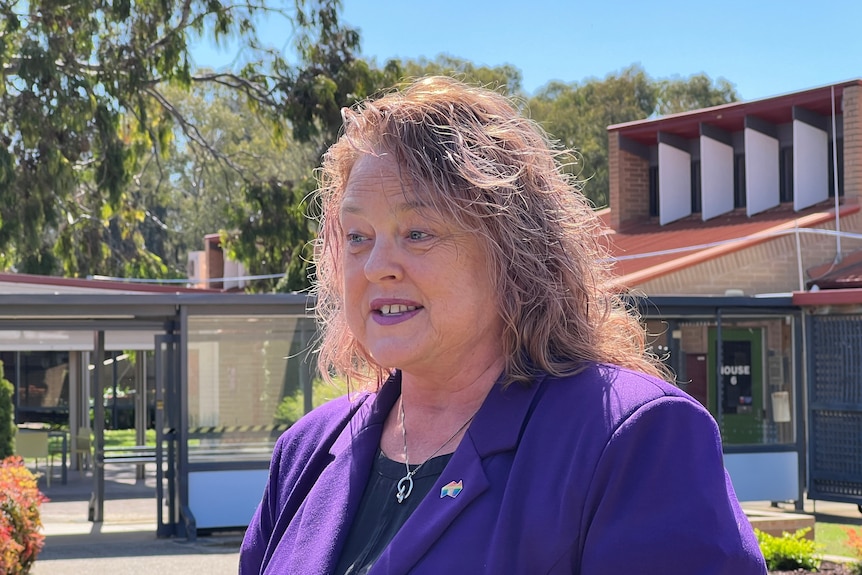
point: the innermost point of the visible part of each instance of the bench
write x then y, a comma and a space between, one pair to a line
139, 454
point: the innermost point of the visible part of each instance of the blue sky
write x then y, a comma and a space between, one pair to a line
764, 47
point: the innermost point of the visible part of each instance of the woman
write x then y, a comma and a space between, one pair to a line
511, 422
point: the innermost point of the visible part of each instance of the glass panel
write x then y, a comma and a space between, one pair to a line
119, 377
41, 380
749, 389
247, 382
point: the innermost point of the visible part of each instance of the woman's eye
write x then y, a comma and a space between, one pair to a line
355, 238
417, 235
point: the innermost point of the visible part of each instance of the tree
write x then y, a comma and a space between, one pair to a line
86, 106
190, 196
506, 78
7, 416
275, 233
272, 229
697, 91
578, 114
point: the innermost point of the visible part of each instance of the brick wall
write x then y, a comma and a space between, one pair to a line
768, 267
629, 184
214, 262
852, 118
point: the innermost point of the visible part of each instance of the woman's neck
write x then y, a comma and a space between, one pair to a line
453, 393
434, 410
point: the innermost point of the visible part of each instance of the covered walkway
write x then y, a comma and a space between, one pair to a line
211, 373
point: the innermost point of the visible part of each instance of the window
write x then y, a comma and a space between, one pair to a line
41, 380
785, 174
831, 169
248, 381
739, 180
653, 191
695, 187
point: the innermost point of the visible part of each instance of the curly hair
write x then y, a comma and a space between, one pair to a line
477, 162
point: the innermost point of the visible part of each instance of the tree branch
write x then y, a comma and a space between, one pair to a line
192, 132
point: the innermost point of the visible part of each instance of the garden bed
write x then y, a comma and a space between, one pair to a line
825, 567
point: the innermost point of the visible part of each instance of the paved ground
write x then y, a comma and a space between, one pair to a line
125, 542
825, 511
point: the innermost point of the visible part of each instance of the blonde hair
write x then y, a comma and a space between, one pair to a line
478, 162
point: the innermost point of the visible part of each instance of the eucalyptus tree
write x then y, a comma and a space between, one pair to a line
189, 195
578, 114
506, 78
86, 108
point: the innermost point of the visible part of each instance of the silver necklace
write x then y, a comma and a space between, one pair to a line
405, 484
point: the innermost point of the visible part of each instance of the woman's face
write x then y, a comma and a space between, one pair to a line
417, 293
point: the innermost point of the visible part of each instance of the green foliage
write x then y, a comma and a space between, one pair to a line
330, 78
117, 157
20, 539
89, 116
274, 233
698, 91
192, 196
289, 410
292, 407
578, 114
7, 416
506, 77
790, 551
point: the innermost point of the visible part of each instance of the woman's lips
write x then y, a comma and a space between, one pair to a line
391, 314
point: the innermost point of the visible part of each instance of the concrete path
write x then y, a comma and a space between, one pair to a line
125, 542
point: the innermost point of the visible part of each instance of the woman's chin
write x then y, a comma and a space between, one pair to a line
407, 361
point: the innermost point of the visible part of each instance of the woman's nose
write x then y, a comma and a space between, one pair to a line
384, 262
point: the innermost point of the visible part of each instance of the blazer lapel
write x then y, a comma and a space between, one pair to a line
495, 429
331, 504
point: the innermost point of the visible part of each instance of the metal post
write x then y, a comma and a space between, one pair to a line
161, 529
188, 524
802, 385
140, 406
719, 360
74, 403
97, 500
115, 419
16, 398
674, 350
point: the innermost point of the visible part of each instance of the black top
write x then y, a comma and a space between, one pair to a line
380, 516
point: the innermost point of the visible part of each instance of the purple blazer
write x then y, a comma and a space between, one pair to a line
606, 472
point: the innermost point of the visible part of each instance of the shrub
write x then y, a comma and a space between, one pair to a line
854, 540
7, 419
20, 539
788, 552
292, 407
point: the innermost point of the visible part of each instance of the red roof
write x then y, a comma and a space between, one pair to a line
828, 297
731, 117
647, 251
16, 278
846, 273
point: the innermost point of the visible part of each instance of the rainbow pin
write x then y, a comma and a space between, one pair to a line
451, 489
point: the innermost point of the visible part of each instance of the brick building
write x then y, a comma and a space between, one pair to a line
740, 196
719, 215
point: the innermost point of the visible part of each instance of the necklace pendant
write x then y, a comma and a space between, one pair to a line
405, 488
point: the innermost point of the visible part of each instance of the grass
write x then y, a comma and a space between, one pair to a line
833, 538
126, 437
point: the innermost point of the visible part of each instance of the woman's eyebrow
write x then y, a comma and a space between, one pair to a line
349, 207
